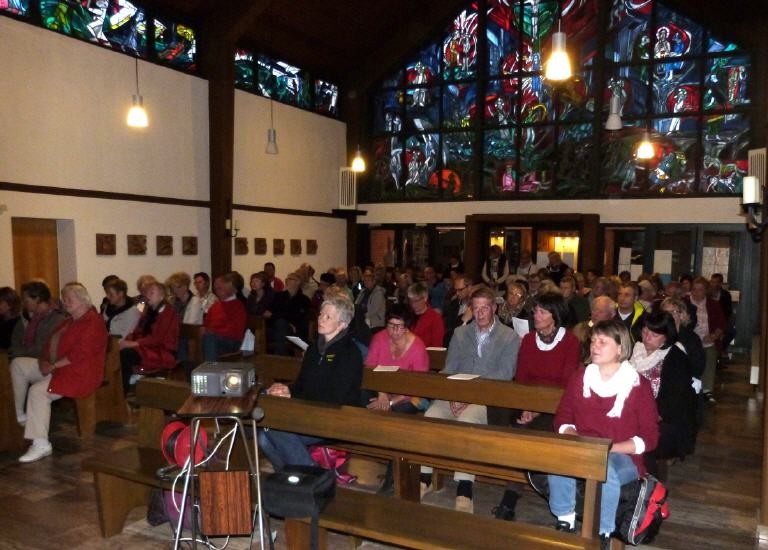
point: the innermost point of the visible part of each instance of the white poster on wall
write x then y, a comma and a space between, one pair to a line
662, 262
625, 255
635, 271
542, 259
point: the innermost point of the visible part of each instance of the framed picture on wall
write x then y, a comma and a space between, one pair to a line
260, 245
106, 244
241, 246
189, 246
278, 247
164, 245
295, 247
311, 246
137, 245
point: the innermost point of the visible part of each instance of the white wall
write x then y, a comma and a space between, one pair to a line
614, 211
329, 233
306, 172
91, 216
62, 124
63, 118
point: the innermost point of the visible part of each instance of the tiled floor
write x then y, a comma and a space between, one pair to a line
714, 494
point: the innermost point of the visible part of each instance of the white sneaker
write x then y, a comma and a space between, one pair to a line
21, 419
36, 452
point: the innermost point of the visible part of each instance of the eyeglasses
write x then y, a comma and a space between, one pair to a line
396, 327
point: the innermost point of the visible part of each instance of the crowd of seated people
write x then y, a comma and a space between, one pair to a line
619, 348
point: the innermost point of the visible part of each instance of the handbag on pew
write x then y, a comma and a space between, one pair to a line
299, 492
334, 460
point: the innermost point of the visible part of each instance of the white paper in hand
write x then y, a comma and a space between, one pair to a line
461, 376
520, 325
298, 342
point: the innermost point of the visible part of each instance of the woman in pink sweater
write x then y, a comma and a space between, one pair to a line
608, 399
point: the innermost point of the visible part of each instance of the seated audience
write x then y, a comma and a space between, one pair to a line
355, 281
647, 294
203, 287
152, 345
630, 311
120, 313
10, 314
261, 297
326, 281
710, 327
342, 281
513, 306
578, 306
665, 365
225, 322
331, 372
142, 285
607, 399
71, 364
275, 282
429, 324
678, 309
556, 269
41, 317
436, 288
398, 346
187, 306
548, 356
290, 316
526, 267
603, 309
495, 269
457, 311
104, 282
487, 348
372, 302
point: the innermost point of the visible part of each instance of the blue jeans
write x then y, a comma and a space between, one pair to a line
214, 345
286, 448
562, 491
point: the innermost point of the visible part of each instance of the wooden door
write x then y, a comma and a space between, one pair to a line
35, 251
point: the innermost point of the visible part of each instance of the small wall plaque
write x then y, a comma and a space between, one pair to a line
164, 245
259, 246
241, 246
311, 246
189, 246
278, 247
106, 244
137, 245
295, 247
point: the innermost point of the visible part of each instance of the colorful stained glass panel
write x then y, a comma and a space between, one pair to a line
388, 111
16, 7
244, 70
422, 109
421, 160
501, 102
501, 35
500, 174
726, 142
459, 105
459, 48
455, 178
629, 37
575, 144
676, 87
632, 84
284, 82
326, 97
175, 44
676, 35
726, 82
574, 100
387, 168
537, 161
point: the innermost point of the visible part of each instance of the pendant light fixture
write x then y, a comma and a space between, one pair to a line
137, 115
614, 115
559, 66
271, 133
358, 163
645, 150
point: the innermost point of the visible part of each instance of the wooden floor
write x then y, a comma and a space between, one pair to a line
714, 494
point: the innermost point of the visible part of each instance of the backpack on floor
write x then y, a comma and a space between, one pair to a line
642, 508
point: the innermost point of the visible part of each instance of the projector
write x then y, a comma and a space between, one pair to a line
214, 379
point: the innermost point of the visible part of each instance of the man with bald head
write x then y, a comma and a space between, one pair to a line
603, 309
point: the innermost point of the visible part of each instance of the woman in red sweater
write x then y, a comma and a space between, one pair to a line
548, 356
608, 399
153, 343
71, 365
225, 322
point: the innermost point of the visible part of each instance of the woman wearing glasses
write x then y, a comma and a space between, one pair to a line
398, 346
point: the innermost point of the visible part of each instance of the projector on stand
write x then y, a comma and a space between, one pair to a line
214, 379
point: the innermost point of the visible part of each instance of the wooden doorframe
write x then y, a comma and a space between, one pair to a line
588, 226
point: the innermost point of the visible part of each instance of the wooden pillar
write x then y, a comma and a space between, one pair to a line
220, 69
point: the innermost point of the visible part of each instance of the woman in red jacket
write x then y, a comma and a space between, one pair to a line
71, 365
608, 399
152, 345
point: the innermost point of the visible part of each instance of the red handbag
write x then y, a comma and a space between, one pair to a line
332, 459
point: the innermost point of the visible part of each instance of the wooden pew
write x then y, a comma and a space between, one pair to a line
193, 334
466, 446
258, 326
107, 404
437, 358
123, 478
11, 433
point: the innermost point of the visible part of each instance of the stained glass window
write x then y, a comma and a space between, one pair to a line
16, 7
175, 44
471, 114
245, 76
326, 97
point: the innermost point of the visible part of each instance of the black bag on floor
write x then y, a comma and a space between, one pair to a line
299, 492
642, 508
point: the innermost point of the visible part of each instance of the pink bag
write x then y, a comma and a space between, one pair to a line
332, 459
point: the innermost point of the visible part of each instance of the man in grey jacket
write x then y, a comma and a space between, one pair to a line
487, 348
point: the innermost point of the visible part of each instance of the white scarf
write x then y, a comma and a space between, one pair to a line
620, 384
543, 346
643, 361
